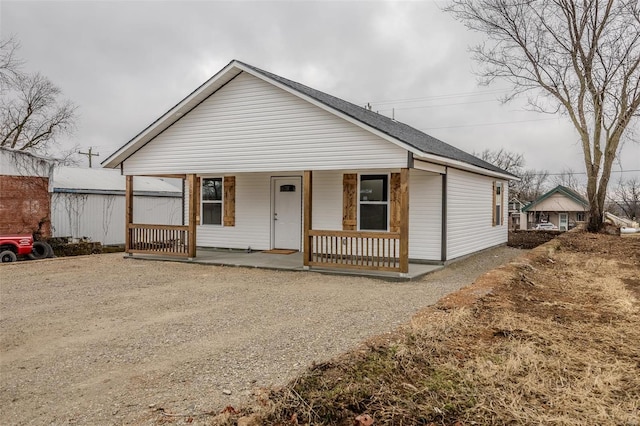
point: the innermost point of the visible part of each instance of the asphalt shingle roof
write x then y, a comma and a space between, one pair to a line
400, 131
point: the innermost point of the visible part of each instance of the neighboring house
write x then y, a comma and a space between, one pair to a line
269, 163
561, 206
24, 193
516, 219
90, 203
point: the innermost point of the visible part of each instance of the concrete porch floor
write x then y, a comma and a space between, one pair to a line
284, 262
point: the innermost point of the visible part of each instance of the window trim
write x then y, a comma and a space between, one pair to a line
498, 200
387, 203
203, 201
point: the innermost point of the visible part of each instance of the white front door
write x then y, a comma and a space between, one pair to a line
563, 221
287, 212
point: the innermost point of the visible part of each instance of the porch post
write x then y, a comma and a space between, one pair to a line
308, 216
128, 213
404, 220
193, 209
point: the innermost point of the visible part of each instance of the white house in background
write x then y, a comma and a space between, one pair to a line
271, 163
516, 219
561, 206
90, 203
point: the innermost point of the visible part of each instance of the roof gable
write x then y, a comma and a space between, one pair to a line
394, 131
562, 190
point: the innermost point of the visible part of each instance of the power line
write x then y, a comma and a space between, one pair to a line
439, 105
581, 173
488, 124
436, 97
90, 154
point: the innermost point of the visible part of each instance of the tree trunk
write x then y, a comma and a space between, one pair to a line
596, 215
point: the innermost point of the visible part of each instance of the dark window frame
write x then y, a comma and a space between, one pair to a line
498, 206
386, 195
204, 202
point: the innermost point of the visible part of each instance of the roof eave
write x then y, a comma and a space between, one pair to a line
465, 166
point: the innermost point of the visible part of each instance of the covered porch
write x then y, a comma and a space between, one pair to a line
347, 251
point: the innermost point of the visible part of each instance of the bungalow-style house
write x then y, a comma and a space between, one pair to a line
561, 206
269, 163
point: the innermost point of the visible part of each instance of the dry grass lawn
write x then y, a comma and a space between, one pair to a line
551, 338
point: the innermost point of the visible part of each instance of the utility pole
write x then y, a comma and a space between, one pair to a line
90, 154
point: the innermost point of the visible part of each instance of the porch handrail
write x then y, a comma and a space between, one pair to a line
170, 240
355, 249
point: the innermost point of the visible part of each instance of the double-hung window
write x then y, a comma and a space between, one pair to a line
497, 197
374, 202
212, 201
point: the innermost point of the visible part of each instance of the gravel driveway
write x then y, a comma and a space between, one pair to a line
101, 339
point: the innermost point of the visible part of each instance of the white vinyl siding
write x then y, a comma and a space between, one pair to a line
100, 218
252, 126
425, 211
253, 216
327, 200
254, 212
425, 215
470, 213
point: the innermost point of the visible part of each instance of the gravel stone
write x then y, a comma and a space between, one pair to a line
105, 340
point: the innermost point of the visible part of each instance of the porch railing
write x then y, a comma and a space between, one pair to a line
355, 250
158, 239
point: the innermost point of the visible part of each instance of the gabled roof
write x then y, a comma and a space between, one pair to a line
567, 192
420, 143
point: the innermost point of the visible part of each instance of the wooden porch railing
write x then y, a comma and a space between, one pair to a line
158, 239
355, 250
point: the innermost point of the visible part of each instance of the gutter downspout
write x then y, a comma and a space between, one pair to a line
443, 230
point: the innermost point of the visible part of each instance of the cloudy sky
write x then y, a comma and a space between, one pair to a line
124, 63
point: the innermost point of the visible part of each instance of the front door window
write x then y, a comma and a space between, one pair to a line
563, 224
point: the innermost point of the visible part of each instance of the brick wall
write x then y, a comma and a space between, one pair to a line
25, 205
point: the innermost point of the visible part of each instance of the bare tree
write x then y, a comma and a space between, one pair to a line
626, 197
579, 58
9, 63
512, 162
532, 182
32, 115
569, 179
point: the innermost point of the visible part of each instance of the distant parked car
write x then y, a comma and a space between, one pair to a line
546, 226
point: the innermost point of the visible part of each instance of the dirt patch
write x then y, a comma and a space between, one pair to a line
530, 239
551, 338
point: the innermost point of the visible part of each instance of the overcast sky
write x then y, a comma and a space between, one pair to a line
124, 63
